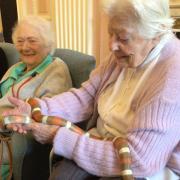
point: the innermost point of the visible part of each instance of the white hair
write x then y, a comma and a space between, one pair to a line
41, 25
150, 17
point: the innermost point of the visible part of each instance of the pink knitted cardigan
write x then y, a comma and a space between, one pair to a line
154, 135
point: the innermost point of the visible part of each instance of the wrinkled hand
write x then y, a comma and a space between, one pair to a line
43, 133
20, 128
21, 108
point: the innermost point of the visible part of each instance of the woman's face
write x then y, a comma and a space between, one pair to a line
130, 49
31, 46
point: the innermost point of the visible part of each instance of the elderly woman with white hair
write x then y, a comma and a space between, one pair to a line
132, 101
37, 74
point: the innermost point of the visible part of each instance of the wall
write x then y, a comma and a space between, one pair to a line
0, 24
71, 19
73, 24
175, 8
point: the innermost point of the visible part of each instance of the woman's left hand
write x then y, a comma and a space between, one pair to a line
43, 133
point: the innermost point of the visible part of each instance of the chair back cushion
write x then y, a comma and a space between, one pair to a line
11, 53
80, 65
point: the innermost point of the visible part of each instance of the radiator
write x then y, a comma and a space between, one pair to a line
73, 21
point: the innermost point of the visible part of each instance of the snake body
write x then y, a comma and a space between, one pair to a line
120, 144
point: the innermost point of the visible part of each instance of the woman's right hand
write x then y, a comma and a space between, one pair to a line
43, 133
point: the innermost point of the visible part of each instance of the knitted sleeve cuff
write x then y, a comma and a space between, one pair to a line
65, 142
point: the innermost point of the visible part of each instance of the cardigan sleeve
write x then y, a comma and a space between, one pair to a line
152, 140
75, 105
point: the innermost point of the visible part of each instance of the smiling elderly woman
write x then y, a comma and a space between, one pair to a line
37, 74
133, 98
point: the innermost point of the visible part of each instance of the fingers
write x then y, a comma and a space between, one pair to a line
12, 112
21, 108
17, 128
15, 101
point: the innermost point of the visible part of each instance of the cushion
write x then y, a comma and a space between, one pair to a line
80, 65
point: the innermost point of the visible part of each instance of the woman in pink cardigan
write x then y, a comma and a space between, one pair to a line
133, 98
